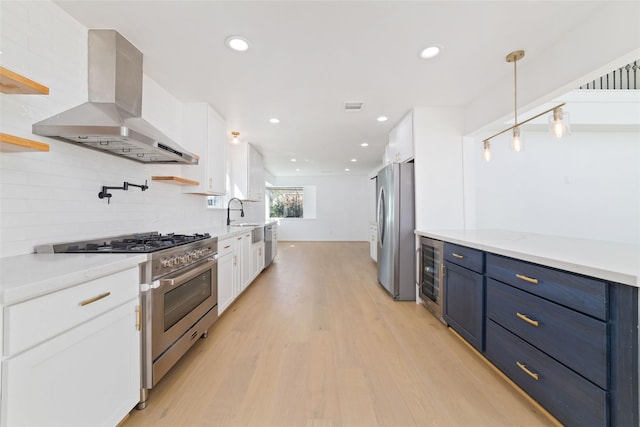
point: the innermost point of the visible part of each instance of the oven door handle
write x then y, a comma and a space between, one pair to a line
193, 272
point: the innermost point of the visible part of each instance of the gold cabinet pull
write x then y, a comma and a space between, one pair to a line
138, 318
527, 319
94, 299
526, 279
528, 372
457, 255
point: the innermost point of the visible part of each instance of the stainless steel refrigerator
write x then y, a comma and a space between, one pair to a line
396, 243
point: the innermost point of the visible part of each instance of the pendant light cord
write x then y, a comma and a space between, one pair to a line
515, 93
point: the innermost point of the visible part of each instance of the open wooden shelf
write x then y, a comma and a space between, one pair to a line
14, 83
15, 144
174, 180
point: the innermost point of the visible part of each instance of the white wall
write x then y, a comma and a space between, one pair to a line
586, 185
342, 209
53, 197
437, 133
605, 40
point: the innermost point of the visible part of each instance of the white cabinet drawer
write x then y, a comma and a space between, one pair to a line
225, 247
34, 321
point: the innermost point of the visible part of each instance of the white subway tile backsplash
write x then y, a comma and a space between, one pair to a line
15, 36
14, 10
53, 197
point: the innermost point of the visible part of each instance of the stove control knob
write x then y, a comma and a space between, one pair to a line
163, 262
174, 261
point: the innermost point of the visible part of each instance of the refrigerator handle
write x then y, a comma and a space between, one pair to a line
381, 216
418, 265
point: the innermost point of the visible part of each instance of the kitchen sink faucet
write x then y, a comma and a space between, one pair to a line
229, 209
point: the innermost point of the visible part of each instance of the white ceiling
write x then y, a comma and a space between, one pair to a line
306, 58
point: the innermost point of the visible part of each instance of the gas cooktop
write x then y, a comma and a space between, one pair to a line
134, 243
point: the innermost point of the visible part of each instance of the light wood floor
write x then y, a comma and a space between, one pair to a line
315, 341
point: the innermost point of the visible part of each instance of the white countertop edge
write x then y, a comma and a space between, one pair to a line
228, 231
69, 270
601, 265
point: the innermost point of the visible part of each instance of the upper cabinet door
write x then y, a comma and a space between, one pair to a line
400, 148
247, 172
204, 135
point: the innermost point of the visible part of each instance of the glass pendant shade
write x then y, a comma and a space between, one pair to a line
517, 144
559, 123
486, 152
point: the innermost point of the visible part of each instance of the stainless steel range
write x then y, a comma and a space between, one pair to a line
178, 293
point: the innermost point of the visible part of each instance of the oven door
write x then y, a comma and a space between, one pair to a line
180, 300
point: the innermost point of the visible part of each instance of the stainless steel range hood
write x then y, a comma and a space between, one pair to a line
111, 120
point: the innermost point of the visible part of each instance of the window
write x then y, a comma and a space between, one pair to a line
216, 202
285, 202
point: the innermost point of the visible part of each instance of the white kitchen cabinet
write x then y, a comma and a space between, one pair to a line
204, 134
257, 259
236, 267
245, 260
227, 273
274, 242
247, 172
373, 242
400, 148
87, 374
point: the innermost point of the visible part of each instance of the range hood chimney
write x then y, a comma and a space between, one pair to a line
111, 120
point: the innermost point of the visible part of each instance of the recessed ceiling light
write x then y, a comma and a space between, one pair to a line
237, 43
354, 160
430, 52
274, 120
364, 144
293, 160
298, 170
346, 169
382, 119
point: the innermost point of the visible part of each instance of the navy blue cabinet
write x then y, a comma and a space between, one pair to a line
464, 293
569, 341
568, 396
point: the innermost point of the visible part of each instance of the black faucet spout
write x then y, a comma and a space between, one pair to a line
229, 209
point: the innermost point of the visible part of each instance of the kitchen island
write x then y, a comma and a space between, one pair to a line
558, 316
616, 262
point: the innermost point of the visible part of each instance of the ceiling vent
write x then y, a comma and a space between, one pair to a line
353, 106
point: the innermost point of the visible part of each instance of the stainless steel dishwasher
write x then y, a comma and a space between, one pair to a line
268, 244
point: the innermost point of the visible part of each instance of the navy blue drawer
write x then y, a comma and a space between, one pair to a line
584, 294
569, 397
472, 259
576, 340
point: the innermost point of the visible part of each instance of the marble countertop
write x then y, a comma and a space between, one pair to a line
24, 277
227, 231
616, 262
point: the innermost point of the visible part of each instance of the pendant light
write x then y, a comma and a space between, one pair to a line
558, 122
517, 144
486, 153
